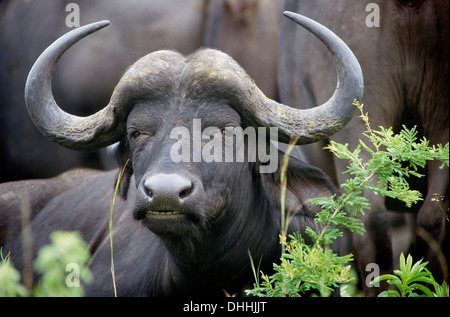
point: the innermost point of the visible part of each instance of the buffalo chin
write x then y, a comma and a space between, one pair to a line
168, 223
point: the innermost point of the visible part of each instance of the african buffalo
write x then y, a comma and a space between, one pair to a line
403, 50
86, 76
180, 228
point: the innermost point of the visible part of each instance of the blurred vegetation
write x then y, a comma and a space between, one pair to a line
61, 267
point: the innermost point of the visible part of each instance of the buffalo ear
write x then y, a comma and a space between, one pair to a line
303, 183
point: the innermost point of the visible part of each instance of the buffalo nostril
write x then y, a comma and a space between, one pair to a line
186, 192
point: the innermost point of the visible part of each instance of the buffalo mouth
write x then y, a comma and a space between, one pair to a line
169, 222
163, 212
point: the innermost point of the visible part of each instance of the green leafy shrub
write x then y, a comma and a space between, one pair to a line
304, 268
393, 159
409, 281
10, 285
62, 266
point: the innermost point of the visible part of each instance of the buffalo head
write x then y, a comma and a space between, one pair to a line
165, 90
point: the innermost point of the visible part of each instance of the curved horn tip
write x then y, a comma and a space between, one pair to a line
303, 20
292, 15
93, 27
287, 13
101, 24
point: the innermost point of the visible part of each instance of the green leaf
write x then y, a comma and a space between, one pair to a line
383, 278
420, 278
423, 288
407, 268
397, 283
389, 293
418, 267
402, 262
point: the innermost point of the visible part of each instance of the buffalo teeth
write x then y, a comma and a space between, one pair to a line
163, 212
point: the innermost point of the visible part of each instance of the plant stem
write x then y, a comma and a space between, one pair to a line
341, 206
111, 226
283, 180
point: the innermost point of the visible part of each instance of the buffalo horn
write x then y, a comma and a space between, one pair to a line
78, 133
108, 125
314, 124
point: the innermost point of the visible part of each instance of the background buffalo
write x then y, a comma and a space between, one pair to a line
403, 48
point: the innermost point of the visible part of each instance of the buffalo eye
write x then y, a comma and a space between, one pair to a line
134, 135
224, 130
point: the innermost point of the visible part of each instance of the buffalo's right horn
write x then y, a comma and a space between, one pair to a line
79, 133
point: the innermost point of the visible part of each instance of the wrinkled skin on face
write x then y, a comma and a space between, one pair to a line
189, 199
149, 145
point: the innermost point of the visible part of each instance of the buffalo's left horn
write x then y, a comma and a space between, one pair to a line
79, 133
314, 124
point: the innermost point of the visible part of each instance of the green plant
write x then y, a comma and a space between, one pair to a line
303, 268
10, 285
409, 281
62, 266
55, 263
392, 159
111, 209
